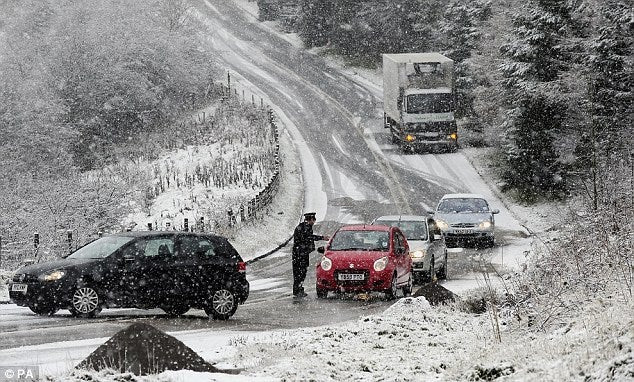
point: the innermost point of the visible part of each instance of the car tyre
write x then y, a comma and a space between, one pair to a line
43, 310
442, 274
85, 302
431, 273
322, 293
175, 310
407, 289
222, 305
390, 294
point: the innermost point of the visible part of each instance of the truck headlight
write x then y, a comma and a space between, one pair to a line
52, 276
380, 264
418, 254
326, 263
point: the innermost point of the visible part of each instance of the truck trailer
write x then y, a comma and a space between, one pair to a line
418, 101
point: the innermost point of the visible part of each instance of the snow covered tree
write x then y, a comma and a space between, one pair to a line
462, 31
316, 22
535, 63
533, 164
605, 142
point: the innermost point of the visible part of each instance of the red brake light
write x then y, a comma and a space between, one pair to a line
242, 266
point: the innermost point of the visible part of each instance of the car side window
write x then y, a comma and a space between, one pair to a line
398, 242
150, 247
402, 241
188, 246
206, 248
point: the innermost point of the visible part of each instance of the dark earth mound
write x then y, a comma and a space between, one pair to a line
142, 349
435, 294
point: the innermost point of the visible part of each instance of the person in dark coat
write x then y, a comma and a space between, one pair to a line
303, 245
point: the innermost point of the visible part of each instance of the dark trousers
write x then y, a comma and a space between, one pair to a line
300, 266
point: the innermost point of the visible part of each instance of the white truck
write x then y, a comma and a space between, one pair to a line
418, 101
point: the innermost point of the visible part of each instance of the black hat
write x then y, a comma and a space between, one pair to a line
310, 216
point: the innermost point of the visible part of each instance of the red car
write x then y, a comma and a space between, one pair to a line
365, 258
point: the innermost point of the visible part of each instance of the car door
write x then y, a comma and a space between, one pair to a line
146, 273
436, 246
183, 268
402, 258
433, 245
201, 266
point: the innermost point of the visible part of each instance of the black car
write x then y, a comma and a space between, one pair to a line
174, 271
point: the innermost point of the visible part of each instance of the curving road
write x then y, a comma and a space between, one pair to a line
351, 170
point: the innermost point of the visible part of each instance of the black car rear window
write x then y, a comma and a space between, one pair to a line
208, 246
224, 248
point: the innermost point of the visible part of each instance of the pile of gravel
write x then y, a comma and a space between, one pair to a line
142, 349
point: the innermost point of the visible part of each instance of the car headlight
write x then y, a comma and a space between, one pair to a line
485, 225
380, 264
52, 276
418, 254
326, 263
410, 138
442, 225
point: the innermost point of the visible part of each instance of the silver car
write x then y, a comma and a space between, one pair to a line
466, 219
426, 245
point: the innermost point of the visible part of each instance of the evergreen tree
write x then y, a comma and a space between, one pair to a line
315, 22
535, 63
461, 30
531, 155
605, 142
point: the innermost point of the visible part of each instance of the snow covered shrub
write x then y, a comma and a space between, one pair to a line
590, 261
477, 300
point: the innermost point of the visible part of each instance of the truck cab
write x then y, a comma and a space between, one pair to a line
419, 101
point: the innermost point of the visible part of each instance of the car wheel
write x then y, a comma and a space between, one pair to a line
407, 289
322, 293
43, 310
223, 304
442, 274
431, 273
85, 302
175, 310
390, 294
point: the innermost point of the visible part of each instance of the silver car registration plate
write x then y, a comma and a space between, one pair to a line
464, 231
19, 288
351, 276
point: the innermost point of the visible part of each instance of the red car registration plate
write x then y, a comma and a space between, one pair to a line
351, 276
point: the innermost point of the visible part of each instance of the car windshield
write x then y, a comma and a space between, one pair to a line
413, 230
101, 247
360, 241
429, 103
463, 205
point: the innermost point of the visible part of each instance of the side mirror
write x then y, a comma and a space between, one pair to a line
431, 212
495, 211
400, 250
321, 250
